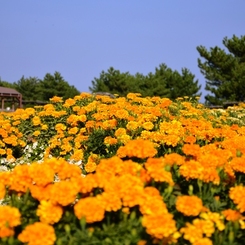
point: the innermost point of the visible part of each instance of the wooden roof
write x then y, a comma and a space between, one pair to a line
8, 91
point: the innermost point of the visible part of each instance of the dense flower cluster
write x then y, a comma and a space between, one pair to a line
151, 169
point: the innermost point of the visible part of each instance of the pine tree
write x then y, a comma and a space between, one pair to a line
224, 71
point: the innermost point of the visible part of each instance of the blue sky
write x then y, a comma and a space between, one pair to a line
81, 38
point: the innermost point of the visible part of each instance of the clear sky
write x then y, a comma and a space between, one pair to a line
81, 38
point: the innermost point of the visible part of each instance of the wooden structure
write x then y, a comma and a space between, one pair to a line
12, 96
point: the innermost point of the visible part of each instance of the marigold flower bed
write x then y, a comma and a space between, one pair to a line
97, 170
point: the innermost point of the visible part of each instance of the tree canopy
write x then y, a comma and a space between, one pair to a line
224, 70
34, 89
164, 82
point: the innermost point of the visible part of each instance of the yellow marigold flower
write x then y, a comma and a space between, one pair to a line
2, 190
2, 151
214, 217
189, 205
49, 213
56, 99
236, 194
38, 232
90, 208
69, 102
132, 125
148, 125
73, 130
64, 192
36, 133
41, 174
191, 233
44, 126
119, 132
60, 127
91, 165
77, 155
207, 226
138, 148
36, 121
72, 120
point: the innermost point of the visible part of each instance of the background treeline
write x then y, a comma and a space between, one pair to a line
223, 69
35, 89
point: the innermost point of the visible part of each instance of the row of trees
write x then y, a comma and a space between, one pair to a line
35, 89
164, 82
223, 69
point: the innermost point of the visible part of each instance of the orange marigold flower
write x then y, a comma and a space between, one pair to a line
41, 192
41, 174
159, 225
189, 205
155, 168
190, 139
191, 149
49, 213
6, 232
237, 195
203, 241
90, 208
153, 204
192, 170
10, 216
142, 242
174, 158
110, 141
20, 178
64, 192
232, 215
87, 184
2, 190
38, 233
138, 148
110, 201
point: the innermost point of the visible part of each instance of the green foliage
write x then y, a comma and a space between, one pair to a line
29, 88
55, 85
164, 83
35, 89
224, 70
